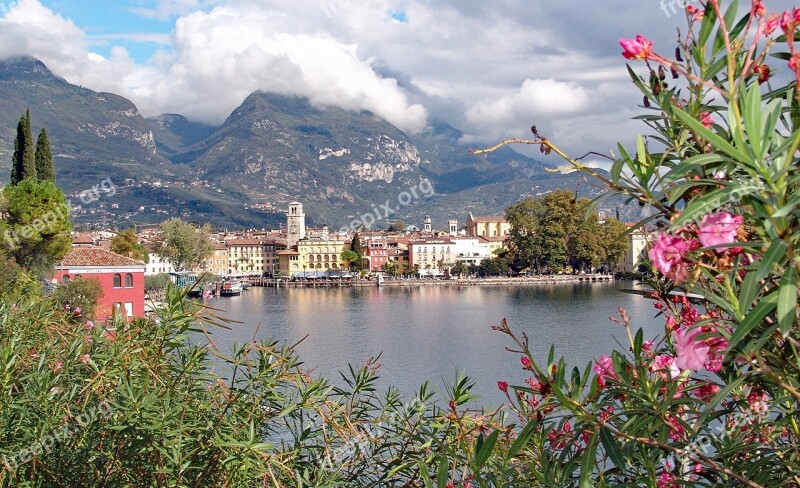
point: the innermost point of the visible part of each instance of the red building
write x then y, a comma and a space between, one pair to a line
375, 255
122, 279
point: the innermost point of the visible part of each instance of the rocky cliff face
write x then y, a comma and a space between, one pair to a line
272, 149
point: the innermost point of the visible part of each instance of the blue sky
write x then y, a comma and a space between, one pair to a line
109, 23
490, 69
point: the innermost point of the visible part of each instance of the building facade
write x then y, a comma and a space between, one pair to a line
495, 226
121, 279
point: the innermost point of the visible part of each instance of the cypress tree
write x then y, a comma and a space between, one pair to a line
45, 171
17, 170
28, 150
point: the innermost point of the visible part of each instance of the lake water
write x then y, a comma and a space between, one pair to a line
430, 332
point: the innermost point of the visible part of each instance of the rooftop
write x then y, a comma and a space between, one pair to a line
96, 256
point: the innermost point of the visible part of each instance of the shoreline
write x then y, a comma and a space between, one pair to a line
529, 280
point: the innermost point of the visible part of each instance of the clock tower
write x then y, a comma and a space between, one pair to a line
295, 224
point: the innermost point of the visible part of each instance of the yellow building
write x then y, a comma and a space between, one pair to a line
217, 263
312, 255
246, 257
496, 226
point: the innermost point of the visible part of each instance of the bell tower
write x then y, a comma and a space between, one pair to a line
295, 224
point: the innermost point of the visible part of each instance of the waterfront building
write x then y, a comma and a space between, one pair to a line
399, 256
638, 241
313, 255
121, 279
155, 263
246, 257
471, 250
376, 254
431, 256
217, 263
495, 226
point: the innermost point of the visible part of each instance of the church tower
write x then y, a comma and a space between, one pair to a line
295, 224
453, 227
427, 227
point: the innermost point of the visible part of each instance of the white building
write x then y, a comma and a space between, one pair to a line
637, 247
156, 264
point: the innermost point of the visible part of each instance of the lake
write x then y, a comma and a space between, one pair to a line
429, 332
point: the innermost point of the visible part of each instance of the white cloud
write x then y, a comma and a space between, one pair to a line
534, 100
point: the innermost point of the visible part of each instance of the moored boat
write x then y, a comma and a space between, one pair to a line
231, 287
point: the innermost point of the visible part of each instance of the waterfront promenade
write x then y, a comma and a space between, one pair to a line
400, 282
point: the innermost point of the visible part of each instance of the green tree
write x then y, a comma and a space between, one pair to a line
36, 226
356, 247
185, 245
79, 295
399, 225
18, 285
584, 244
352, 258
127, 244
614, 239
45, 170
390, 268
23, 164
459, 269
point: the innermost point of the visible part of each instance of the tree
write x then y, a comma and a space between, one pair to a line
18, 285
399, 225
614, 239
351, 257
127, 244
35, 231
23, 163
459, 269
185, 245
45, 171
355, 246
390, 267
79, 296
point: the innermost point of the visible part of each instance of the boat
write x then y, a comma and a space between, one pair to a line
231, 287
245, 285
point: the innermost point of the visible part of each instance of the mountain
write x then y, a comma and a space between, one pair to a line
271, 150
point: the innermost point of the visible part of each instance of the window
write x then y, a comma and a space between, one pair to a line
117, 281
128, 280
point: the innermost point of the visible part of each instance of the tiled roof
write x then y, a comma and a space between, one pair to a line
244, 242
96, 256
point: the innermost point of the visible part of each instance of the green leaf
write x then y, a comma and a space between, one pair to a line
714, 201
787, 301
588, 463
521, 440
753, 318
776, 252
710, 136
484, 449
441, 473
612, 448
751, 110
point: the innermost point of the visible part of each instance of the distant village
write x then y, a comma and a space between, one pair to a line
299, 251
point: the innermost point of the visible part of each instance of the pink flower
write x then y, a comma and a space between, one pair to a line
758, 402
787, 22
526, 362
85, 359
758, 8
58, 366
706, 392
503, 385
604, 367
764, 72
691, 354
719, 228
706, 120
665, 480
772, 24
664, 365
639, 48
667, 256
89, 325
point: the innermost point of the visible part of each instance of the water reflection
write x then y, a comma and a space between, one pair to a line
429, 332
